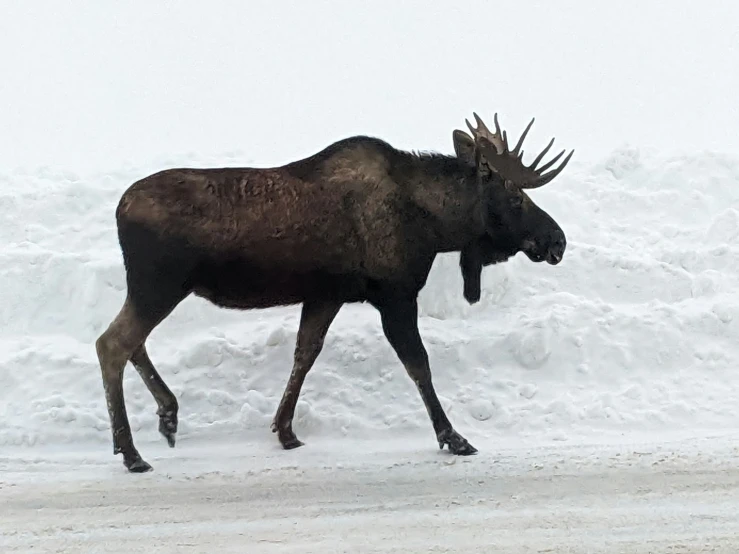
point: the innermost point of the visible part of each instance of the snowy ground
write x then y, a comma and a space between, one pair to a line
635, 330
349, 496
633, 337
601, 393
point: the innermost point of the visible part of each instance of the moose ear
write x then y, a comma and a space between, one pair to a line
464, 146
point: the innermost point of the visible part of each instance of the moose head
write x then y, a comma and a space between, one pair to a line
514, 223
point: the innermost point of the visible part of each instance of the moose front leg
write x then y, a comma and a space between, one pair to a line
400, 324
315, 319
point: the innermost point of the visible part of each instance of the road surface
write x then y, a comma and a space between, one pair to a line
353, 496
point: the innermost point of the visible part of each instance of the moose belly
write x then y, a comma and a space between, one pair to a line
240, 285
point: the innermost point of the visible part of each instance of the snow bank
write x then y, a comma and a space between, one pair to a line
636, 330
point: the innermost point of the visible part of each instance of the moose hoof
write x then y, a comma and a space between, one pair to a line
137, 465
457, 443
291, 443
168, 431
168, 427
288, 440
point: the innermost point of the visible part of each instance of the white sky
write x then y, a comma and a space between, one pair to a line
98, 84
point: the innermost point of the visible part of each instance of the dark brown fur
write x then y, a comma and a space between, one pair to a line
357, 222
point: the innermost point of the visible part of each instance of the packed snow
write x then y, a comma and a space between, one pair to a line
603, 390
635, 331
389, 497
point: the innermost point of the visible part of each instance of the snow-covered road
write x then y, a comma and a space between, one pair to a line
362, 496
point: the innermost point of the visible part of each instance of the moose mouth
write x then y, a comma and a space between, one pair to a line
553, 258
536, 254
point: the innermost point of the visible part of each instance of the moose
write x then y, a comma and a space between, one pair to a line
359, 221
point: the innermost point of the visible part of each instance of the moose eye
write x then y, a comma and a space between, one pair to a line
516, 200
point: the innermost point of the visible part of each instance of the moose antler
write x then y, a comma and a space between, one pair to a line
509, 163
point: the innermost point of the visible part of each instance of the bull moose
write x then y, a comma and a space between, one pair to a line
359, 221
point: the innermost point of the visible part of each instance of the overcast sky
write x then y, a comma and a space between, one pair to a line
99, 84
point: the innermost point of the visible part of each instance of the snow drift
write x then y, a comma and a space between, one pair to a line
636, 330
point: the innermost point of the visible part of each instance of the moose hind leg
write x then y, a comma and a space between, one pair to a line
315, 319
142, 311
114, 348
400, 325
165, 399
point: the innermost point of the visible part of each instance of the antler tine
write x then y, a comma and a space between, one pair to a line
481, 127
550, 163
523, 136
544, 179
482, 131
509, 163
541, 156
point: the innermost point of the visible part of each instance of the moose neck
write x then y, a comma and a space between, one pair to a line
448, 194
